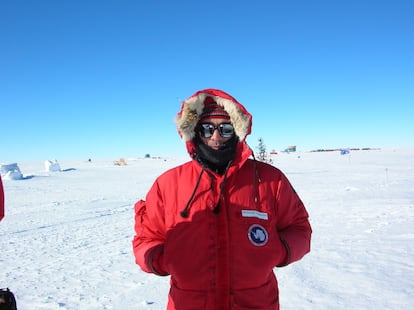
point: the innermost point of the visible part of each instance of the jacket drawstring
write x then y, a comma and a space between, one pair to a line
257, 180
184, 212
216, 210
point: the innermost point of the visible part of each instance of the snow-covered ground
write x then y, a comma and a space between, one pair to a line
66, 238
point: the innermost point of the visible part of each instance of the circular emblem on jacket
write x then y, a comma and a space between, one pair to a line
258, 235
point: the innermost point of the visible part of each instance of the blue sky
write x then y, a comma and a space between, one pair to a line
105, 79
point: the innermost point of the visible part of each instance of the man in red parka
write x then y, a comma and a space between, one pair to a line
221, 222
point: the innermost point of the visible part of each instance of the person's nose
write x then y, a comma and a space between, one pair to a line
216, 135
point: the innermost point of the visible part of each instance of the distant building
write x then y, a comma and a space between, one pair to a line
290, 149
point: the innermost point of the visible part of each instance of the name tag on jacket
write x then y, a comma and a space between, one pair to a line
254, 213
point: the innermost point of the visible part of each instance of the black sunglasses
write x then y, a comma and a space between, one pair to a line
226, 130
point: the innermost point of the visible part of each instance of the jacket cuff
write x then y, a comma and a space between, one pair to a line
155, 261
286, 260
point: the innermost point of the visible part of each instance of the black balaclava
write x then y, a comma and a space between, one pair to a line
215, 160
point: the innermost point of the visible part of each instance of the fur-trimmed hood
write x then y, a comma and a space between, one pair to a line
191, 109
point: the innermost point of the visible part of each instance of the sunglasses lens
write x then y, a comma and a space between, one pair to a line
225, 130
207, 130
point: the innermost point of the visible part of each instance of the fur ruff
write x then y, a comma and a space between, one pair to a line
192, 109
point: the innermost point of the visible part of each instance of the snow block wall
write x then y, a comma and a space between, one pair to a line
11, 172
52, 166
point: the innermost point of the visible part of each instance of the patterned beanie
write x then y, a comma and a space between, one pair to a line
213, 110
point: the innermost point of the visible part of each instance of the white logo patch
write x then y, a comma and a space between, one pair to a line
258, 235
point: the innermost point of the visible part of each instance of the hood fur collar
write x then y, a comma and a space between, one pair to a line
191, 109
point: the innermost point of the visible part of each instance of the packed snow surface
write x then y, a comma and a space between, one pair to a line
66, 237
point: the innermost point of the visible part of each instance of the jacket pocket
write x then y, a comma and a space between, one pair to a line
187, 299
265, 297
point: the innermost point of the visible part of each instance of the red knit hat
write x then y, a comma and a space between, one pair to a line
213, 110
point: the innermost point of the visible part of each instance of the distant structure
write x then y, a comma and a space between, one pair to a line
52, 166
347, 150
120, 162
290, 149
11, 172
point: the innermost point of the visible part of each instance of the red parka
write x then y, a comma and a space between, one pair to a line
220, 236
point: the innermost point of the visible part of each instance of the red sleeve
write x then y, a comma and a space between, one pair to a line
293, 224
149, 233
1, 200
